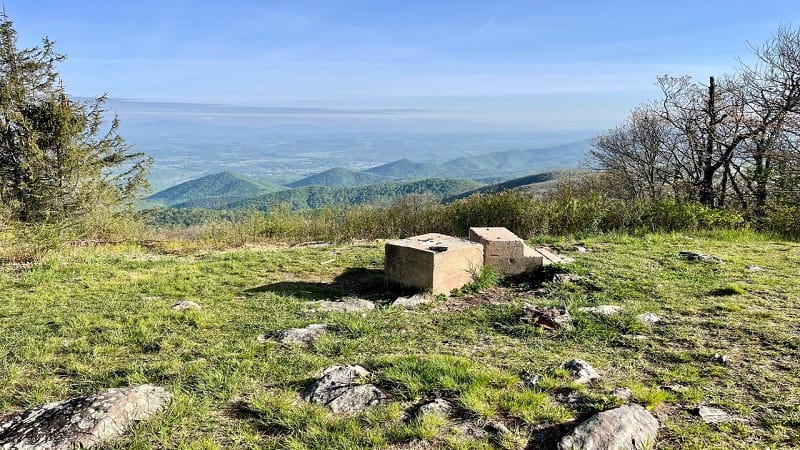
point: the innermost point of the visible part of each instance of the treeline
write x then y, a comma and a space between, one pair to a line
731, 143
382, 194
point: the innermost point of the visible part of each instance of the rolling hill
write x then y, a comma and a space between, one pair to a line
535, 182
218, 185
405, 169
339, 177
509, 161
312, 197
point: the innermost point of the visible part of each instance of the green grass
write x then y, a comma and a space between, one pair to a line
88, 318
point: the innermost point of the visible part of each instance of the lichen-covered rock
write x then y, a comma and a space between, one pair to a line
337, 389
81, 422
412, 301
628, 427
551, 318
648, 318
713, 415
622, 393
581, 371
438, 406
602, 310
350, 304
185, 305
305, 335
356, 398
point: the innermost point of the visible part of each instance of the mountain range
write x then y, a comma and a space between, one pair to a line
381, 184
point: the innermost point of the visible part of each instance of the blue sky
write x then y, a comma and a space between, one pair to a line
492, 63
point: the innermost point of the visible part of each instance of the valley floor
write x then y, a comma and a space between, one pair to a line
89, 318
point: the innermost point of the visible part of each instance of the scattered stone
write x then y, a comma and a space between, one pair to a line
305, 335
721, 359
530, 380
602, 310
581, 371
622, 393
82, 422
753, 268
580, 249
438, 406
313, 244
493, 430
569, 397
348, 304
627, 427
567, 278
355, 399
648, 318
714, 415
337, 389
415, 444
185, 305
412, 301
636, 337
550, 318
677, 388
692, 256
470, 429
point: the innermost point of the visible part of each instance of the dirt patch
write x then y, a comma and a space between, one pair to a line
491, 296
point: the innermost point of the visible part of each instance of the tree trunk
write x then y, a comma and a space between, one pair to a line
707, 183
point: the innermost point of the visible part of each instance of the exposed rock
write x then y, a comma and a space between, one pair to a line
478, 429
82, 422
716, 415
356, 398
337, 389
602, 310
677, 388
566, 278
438, 406
349, 304
305, 335
636, 337
185, 305
412, 301
415, 444
581, 371
625, 428
551, 318
692, 256
648, 318
529, 380
622, 393
753, 268
580, 249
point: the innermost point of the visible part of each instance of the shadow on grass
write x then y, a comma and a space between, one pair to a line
354, 281
547, 437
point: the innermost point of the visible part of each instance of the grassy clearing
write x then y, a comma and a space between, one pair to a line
89, 318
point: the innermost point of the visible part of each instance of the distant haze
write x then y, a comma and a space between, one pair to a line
461, 65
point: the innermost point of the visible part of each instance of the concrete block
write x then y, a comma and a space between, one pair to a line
504, 251
433, 261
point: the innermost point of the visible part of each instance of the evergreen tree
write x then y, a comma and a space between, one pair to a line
58, 159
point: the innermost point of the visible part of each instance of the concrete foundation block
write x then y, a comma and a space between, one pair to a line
504, 251
433, 261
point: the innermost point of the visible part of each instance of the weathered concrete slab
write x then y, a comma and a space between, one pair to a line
504, 251
548, 257
433, 261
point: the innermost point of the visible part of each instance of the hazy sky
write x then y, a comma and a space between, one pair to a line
533, 63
